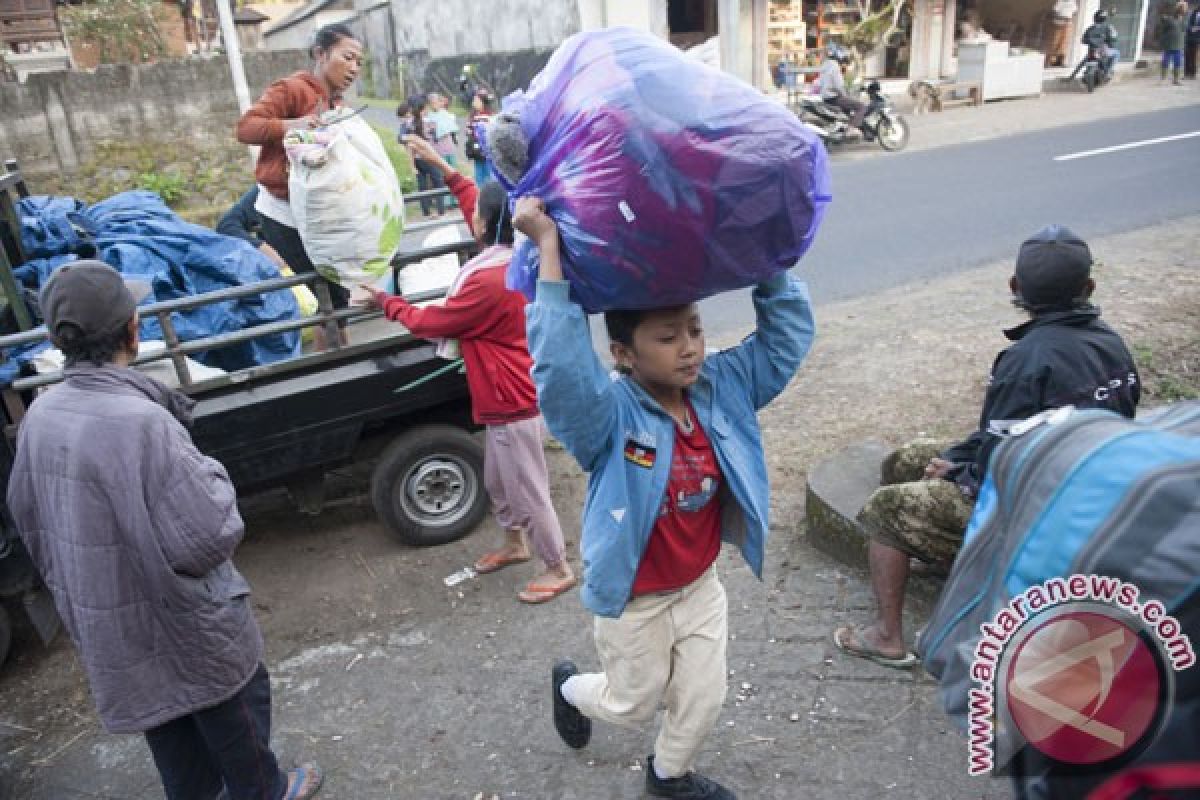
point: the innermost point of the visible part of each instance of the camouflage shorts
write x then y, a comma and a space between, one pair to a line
908, 463
924, 518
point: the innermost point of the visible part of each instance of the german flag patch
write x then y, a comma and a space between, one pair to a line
640, 454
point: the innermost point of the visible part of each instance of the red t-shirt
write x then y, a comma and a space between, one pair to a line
687, 534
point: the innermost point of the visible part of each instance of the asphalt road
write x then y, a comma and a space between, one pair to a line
903, 217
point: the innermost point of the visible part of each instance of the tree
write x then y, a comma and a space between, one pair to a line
877, 21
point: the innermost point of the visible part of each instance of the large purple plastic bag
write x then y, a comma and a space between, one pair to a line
669, 180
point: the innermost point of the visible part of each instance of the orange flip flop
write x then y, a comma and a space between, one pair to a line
535, 593
496, 560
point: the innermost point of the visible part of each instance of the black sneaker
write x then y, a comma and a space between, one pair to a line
574, 728
692, 786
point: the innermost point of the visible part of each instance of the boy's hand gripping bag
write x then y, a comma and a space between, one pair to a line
669, 180
346, 200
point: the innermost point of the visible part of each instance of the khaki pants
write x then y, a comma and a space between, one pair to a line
669, 649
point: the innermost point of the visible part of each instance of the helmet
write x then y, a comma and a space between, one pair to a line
837, 52
1100, 17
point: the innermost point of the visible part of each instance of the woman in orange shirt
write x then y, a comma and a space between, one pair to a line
296, 102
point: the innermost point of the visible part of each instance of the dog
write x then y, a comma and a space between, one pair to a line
926, 97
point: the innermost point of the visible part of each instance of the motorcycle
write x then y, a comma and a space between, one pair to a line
881, 123
1092, 70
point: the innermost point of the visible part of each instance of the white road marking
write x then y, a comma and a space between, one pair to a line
1128, 146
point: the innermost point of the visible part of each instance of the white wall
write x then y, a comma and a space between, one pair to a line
448, 28
300, 35
649, 15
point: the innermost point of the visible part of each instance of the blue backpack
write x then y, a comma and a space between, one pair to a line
1077, 492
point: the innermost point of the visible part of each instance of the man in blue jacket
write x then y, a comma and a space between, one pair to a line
676, 466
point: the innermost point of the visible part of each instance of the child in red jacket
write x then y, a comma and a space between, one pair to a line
488, 320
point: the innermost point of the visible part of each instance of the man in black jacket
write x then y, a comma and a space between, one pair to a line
1101, 36
1063, 355
1192, 46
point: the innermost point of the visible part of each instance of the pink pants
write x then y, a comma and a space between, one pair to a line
514, 471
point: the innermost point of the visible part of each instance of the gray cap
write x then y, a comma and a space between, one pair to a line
90, 295
1053, 267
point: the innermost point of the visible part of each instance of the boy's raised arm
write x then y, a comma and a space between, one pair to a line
769, 357
574, 390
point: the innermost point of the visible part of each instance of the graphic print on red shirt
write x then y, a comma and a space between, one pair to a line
687, 534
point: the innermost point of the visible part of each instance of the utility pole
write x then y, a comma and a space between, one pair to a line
233, 51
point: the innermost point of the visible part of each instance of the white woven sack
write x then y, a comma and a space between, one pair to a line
347, 203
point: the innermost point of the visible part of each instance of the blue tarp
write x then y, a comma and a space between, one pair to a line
137, 234
52, 226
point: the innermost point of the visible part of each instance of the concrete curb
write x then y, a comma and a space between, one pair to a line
838, 487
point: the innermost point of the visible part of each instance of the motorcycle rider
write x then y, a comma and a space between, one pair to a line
1102, 38
831, 85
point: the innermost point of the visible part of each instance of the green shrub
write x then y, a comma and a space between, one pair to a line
171, 187
401, 161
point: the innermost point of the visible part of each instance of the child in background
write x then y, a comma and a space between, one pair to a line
488, 320
415, 123
445, 128
445, 133
481, 114
676, 466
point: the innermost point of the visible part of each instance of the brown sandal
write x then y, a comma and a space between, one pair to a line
497, 560
535, 593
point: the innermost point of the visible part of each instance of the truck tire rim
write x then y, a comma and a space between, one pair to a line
439, 491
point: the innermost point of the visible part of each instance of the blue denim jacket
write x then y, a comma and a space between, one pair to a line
623, 437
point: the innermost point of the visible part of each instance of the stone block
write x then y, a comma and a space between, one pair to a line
837, 489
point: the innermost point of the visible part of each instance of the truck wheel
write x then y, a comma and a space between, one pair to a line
428, 485
5, 633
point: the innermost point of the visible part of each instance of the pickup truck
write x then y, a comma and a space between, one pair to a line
385, 396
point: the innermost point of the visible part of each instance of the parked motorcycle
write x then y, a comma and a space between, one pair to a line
881, 123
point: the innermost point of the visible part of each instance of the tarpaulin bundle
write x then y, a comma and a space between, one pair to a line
669, 180
141, 237
53, 226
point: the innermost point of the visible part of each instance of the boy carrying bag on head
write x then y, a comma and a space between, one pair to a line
676, 466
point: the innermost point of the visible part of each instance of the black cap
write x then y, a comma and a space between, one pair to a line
1053, 268
90, 295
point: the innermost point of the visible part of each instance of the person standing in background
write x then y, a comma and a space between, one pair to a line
416, 122
1062, 16
1193, 43
445, 128
482, 103
445, 133
1171, 33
